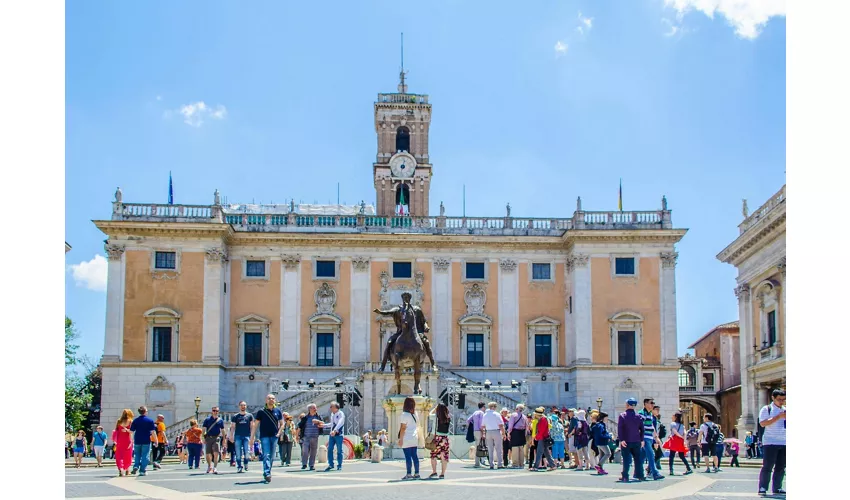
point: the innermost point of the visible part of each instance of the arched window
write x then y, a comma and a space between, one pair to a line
402, 139
687, 376
402, 199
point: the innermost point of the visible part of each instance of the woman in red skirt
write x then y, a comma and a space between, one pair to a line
676, 442
122, 437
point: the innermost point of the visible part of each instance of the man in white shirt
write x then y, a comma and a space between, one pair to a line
493, 429
335, 440
709, 446
475, 421
772, 418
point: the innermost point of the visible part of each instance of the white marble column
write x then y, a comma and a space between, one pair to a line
360, 335
213, 326
580, 264
113, 346
668, 309
441, 307
290, 309
746, 421
508, 286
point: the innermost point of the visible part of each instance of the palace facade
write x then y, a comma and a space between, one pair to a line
759, 256
225, 302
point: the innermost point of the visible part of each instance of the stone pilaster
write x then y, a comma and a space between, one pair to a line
441, 300
213, 326
290, 309
746, 422
668, 309
508, 289
579, 265
360, 335
113, 346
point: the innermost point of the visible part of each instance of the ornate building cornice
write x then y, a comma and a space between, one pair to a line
765, 230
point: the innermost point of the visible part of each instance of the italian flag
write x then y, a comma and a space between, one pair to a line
401, 204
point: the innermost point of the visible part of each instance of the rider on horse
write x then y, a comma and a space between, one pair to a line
421, 324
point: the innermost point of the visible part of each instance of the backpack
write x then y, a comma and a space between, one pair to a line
760, 429
713, 434
581, 437
662, 432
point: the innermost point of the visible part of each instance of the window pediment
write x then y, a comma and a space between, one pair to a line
161, 311
627, 316
543, 321
475, 319
324, 319
252, 318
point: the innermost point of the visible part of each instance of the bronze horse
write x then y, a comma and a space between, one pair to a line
408, 351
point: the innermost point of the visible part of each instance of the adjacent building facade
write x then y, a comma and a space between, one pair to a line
226, 302
759, 256
710, 380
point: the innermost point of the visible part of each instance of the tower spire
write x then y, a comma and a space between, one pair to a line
402, 87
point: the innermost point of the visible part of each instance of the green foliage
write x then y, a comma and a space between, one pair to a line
358, 450
70, 349
77, 402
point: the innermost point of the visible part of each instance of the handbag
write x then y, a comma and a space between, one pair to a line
481, 450
430, 442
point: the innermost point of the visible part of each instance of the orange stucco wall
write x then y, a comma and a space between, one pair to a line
540, 299
610, 296
492, 308
458, 309
342, 287
184, 295
343, 309
709, 347
260, 297
427, 300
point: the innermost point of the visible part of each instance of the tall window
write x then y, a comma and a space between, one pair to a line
325, 269
161, 343
255, 268
402, 139
402, 270
686, 377
543, 350
475, 270
771, 328
626, 348
475, 349
165, 260
324, 349
253, 348
624, 266
541, 271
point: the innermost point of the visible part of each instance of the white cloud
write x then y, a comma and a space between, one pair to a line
560, 48
159, 98
90, 274
584, 24
748, 17
195, 113
674, 28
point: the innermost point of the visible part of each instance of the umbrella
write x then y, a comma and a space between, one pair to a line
733, 440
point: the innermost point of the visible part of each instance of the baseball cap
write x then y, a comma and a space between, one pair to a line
631, 402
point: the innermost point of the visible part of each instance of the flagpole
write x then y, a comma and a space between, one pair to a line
464, 200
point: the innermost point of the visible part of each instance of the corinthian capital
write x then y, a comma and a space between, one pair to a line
360, 263
216, 255
742, 292
508, 265
113, 251
577, 260
668, 259
291, 261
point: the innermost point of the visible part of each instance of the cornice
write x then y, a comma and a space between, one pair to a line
747, 243
668, 236
204, 230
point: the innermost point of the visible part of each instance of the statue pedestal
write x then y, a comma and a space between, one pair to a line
393, 407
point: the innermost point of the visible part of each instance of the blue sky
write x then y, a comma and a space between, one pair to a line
527, 108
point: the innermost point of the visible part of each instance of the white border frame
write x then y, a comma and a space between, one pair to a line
268, 271
541, 261
543, 325
626, 321
613, 258
162, 316
335, 260
178, 259
464, 279
252, 323
393, 277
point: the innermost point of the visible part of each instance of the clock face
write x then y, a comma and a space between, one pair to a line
402, 165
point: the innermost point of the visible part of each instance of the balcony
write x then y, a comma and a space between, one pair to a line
766, 353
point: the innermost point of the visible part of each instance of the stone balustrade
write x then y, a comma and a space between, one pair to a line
403, 98
295, 222
760, 213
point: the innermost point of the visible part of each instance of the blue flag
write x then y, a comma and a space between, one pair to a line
170, 190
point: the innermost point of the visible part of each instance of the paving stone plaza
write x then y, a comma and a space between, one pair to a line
362, 479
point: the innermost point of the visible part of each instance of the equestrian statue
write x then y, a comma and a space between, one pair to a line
409, 346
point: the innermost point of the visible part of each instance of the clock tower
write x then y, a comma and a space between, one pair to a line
402, 168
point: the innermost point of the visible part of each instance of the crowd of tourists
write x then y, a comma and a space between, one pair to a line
542, 440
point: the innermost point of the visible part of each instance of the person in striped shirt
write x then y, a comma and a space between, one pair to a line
650, 437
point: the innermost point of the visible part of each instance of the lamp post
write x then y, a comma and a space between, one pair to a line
197, 406
599, 404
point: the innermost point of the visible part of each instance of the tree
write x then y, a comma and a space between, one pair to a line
70, 349
92, 388
77, 402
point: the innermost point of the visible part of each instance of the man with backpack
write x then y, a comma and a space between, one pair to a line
709, 436
692, 439
650, 437
772, 430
